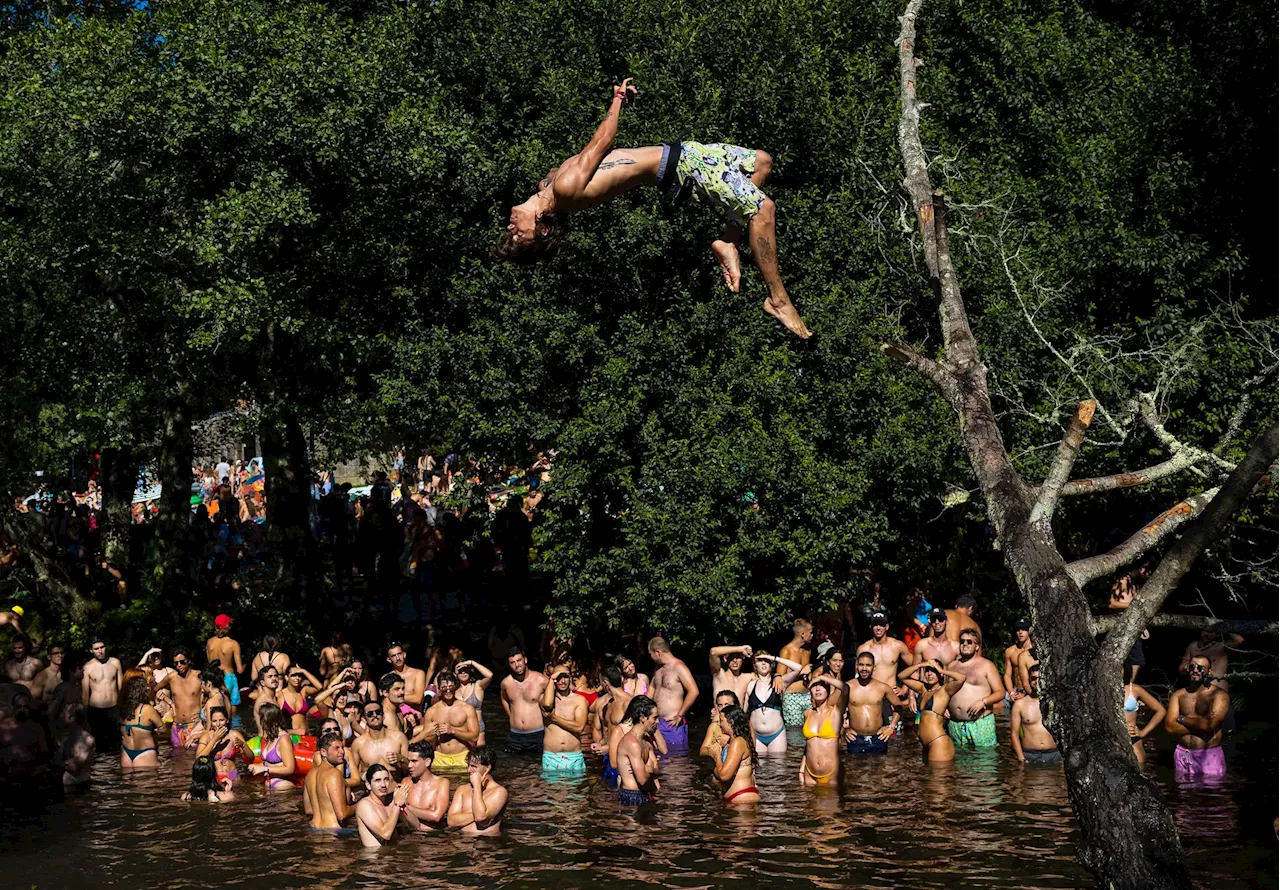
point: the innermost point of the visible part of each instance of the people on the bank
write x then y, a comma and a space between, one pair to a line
205, 785
564, 716
380, 812
474, 680
415, 679
450, 724
1014, 684
478, 805
225, 745
428, 793
635, 756
1134, 698
674, 692
521, 695
972, 721
764, 704
278, 765
934, 685
184, 683
735, 759
221, 649
822, 727
937, 645
727, 663
379, 743
1032, 741
100, 693
1195, 716
868, 701
326, 797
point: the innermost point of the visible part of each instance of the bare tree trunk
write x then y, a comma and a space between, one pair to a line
176, 449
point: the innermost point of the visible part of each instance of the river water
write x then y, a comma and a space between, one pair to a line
983, 822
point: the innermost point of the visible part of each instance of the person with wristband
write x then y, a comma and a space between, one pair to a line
727, 176
380, 813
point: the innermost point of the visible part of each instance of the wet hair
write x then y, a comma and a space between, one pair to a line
271, 721
966, 602
741, 729
446, 675
204, 778
263, 671
271, 643
483, 755
548, 239
133, 694
373, 771
613, 674
639, 709
218, 709
213, 675
514, 651
388, 680
731, 694
658, 644
423, 749
867, 655
327, 738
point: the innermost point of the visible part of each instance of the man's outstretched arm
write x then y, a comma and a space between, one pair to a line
577, 172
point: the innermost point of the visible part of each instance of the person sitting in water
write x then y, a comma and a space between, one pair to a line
635, 756
380, 812
205, 785
477, 806
1134, 697
820, 764
935, 685
564, 717
869, 700
428, 793
138, 730
735, 760
764, 704
725, 175
1195, 716
1032, 742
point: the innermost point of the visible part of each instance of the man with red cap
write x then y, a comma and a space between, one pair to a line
225, 652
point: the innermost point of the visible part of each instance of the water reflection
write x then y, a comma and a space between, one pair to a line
894, 822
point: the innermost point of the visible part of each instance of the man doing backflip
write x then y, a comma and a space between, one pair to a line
726, 175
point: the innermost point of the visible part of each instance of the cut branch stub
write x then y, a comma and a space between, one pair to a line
1063, 461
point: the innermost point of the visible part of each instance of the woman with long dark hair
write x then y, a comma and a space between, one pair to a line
294, 698
270, 654
736, 766
205, 785
138, 733
277, 749
935, 686
224, 744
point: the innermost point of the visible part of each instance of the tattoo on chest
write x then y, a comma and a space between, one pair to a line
620, 162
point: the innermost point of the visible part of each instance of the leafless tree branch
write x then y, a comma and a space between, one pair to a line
1085, 570
1063, 461
1103, 624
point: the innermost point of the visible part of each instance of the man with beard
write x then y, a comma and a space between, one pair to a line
1215, 647
452, 726
428, 793
184, 683
24, 666
380, 813
1195, 717
867, 701
637, 762
564, 716
396, 713
415, 679
521, 695
100, 691
379, 743
972, 720
324, 792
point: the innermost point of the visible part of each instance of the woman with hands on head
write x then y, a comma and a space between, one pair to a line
823, 725
475, 679
764, 702
293, 698
935, 686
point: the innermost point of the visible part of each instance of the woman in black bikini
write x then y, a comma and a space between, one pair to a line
934, 696
138, 736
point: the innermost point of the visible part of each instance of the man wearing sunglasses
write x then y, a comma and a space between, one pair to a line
936, 645
1195, 717
184, 682
379, 743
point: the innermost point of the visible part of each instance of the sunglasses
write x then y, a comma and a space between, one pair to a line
180, 661
373, 713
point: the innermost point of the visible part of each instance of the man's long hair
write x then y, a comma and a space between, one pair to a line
548, 238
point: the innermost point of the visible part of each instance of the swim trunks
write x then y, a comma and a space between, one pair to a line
1047, 757
629, 798
676, 737
794, 704
175, 732
519, 742
980, 733
232, 682
336, 832
455, 761
717, 172
1191, 764
565, 763
867, 744
610, 774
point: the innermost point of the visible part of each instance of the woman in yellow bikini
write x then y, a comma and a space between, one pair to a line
823, 724
935, 686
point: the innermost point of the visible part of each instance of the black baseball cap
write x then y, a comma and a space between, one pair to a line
1022, 624
938, 613
879, 618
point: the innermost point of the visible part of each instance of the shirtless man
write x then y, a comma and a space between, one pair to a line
613, 704
379, 743
960, 618
564, 716
184, 683
888, 653
428, 793
1032, 743
478, 806
12, 617
24, 744
726, 669
325, 797
24, 666
1195, 717
100, 691
415, 679
380, 813
867, 698
48, 679
972, 721
226, 651
452, 726
1022, 642
937, 645
798, 650
674, 692
1216, 648
396, 713
637, 763
521, 695
725, 175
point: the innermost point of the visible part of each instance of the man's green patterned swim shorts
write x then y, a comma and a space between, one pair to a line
717, 172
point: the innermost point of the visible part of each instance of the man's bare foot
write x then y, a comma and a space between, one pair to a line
781, 309
727, 255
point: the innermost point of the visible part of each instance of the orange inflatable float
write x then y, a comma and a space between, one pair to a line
304, 753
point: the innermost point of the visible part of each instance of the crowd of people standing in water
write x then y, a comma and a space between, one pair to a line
377, 746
